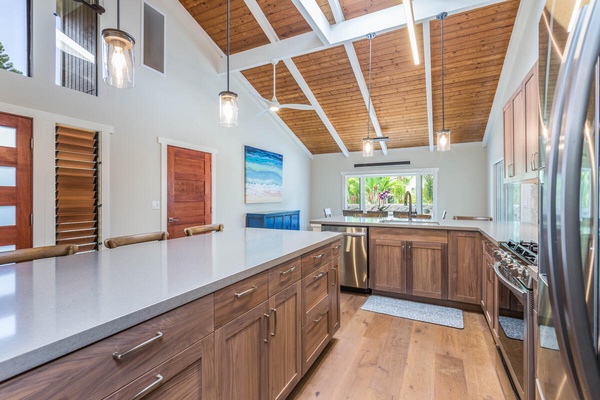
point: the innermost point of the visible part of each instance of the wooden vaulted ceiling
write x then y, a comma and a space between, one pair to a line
475, 44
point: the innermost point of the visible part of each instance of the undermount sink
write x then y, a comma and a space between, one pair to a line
407, 221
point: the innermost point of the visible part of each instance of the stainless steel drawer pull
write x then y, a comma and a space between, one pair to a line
266, 340
252, 289
119, 356
319, 255
288, 271
318, 319
337, 247
149, 388
319, 276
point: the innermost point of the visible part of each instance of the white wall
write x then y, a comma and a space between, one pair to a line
182, 106
462, 178
522, 54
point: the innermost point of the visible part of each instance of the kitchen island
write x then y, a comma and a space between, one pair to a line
55, 306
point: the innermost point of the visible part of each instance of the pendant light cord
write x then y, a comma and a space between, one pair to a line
443, 15
119, 15
370, 36
228, 45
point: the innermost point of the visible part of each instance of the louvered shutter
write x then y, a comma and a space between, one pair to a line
77, 208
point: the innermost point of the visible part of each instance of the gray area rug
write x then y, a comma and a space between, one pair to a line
548, 337
439, 315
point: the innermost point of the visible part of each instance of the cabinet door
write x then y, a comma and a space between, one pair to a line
509, 157
464, 268
241, 350
334, 278
487, 295
519, 133
426, 272
388, 265
188, 375
285, 342
531, 120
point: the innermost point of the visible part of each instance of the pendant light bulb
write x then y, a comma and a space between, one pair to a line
228, 100
443, 135
118, 56
367, 150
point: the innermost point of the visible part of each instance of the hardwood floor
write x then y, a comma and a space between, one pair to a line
376, 356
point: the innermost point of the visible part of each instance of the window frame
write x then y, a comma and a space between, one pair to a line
143, 38
418, 173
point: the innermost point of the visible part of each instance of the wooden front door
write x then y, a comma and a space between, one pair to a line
15, 182
189, 189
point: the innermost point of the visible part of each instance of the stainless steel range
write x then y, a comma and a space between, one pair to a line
514, 312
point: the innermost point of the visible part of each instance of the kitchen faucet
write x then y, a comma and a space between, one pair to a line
409, 196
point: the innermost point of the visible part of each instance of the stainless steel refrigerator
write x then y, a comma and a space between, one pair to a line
568, 366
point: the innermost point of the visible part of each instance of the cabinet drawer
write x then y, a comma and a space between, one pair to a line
187, 375
335, 250
236, 299
97, 373
315, 287
315, 259
315, 334
284, 275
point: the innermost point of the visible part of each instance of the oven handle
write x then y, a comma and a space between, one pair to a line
517, 291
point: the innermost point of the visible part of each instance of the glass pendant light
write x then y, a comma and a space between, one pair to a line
367, 143
443, 135
228, 100
118, 62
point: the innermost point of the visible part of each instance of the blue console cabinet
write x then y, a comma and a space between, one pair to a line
289, 220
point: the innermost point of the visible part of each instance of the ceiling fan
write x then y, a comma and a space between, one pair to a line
274, 104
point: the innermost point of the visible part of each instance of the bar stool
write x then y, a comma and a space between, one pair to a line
197, 230
113, 243
35, 253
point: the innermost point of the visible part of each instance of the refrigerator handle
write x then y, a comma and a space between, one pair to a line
566, 265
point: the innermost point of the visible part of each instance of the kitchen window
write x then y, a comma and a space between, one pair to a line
385, 191
76, 40
15, 36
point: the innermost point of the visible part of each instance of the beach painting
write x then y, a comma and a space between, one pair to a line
264, 176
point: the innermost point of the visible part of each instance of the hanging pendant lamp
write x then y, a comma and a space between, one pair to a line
443, 135
118, 62
228, 100
367, 143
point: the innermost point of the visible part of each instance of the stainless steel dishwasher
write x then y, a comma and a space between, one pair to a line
354, 268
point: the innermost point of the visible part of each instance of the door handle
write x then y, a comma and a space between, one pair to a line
171, 219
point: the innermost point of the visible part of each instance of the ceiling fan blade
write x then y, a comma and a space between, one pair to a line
260, 97
304, 107
266, 110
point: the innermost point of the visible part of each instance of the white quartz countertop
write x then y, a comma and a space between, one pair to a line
51, 307
494, 231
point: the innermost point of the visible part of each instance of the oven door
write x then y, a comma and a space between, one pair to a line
514, 315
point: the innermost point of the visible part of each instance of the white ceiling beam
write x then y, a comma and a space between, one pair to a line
249, 88
428, 86
262, 20
345, 31
364, 90
305, 43
313, 101
313, 15
336, 10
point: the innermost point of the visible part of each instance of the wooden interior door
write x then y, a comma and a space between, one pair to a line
189, 189
16, 191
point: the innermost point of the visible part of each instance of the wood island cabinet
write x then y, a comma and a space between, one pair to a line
409, 261
464, 267
254, 339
